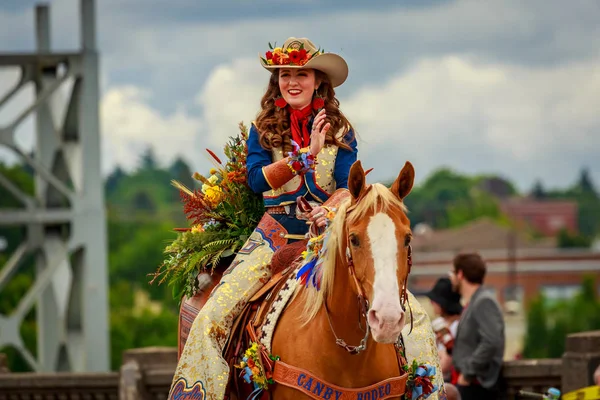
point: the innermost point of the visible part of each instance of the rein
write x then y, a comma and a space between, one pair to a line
362, 300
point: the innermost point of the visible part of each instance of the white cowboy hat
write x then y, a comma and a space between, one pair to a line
302, 53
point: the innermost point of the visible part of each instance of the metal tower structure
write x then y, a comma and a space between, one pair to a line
65, 220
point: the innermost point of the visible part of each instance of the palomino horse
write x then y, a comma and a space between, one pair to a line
364, 277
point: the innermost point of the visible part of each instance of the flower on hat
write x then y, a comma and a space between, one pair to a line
288, 56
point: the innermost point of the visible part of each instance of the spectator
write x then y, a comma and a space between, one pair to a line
446, 304
597, 376
479, 346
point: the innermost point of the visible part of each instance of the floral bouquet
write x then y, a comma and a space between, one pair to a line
252, 369
223, 214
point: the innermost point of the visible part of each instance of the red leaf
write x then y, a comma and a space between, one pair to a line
214, 156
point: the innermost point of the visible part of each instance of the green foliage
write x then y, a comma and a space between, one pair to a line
447, 199
536, 337
588, 203
573, 240
548, 324
223, 214
135, 250
181, 172
538, 192
143, 209
133, 326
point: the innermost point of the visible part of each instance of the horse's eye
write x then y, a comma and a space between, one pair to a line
354, 240
407, 240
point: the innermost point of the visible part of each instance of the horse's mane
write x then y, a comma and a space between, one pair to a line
379, 198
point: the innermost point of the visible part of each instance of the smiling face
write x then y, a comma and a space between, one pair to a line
297, 86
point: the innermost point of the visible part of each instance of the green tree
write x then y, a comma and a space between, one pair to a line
572, 240
148, 160
538, 192
585, 184
134, 326
548, 324
114, 179
536, 335
448, 199
181, 171
142, 201
137, 252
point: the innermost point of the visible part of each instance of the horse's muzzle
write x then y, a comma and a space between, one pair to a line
386, 322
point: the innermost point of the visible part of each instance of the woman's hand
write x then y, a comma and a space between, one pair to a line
318, 133
318, 216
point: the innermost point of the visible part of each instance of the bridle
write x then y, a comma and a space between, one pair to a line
362, 300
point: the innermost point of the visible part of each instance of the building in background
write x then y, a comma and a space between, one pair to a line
548, 217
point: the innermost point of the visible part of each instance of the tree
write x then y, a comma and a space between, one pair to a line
585, 184
572, 240
114, 179
134, 325
142, 201
148, 159
538, 192
448, 199
536, 335
548, 324
181, 171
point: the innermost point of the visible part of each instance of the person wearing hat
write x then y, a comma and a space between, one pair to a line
446, 305
301, 144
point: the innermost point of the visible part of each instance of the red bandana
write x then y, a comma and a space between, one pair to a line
299, 125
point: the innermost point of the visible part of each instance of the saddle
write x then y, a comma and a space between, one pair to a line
252, 318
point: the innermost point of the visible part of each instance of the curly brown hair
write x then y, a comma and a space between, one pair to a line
273, 124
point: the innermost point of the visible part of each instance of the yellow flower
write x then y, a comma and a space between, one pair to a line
213, 179
277, 50
270, 62
214, 194
197, 228
212, 171
205, 187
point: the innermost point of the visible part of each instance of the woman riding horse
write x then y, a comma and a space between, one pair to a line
300, 145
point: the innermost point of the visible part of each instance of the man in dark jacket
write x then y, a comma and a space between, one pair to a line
479, 345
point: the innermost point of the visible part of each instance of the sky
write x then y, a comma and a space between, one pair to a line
506, 87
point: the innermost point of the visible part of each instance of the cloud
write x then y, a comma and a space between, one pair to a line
231, 94
377, 42
438, 77
129, 125
516, 121
519, 122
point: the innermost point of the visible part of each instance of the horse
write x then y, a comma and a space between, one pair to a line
362, 296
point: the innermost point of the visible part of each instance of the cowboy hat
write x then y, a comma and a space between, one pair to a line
447, 298
302, 53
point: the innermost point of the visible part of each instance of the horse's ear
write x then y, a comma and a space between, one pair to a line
404, 182
356, 180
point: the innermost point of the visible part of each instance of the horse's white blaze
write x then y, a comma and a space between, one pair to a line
384, 247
